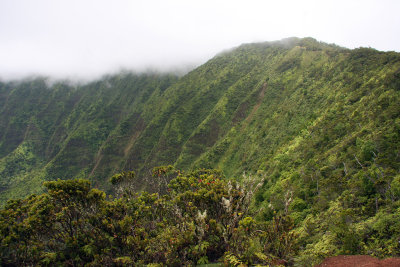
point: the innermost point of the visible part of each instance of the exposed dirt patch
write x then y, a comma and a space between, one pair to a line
137, 130
359, 261
256, 106
131, 142
259, 100
99, 157
241, 111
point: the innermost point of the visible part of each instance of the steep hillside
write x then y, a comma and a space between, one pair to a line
279, 107
58, 131
319, 123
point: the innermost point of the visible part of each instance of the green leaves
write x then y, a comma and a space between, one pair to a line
320, 123
199, 219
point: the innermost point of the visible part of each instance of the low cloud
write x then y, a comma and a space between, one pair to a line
86, 39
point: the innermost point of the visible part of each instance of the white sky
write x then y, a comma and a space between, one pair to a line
87, 38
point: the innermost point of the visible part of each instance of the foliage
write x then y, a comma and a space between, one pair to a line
319, 122
200, 219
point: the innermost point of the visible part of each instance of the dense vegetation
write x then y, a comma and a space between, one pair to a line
198, 217
318, 123
63, 130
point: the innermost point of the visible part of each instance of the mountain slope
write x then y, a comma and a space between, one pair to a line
277, 107
319, 123
58, 131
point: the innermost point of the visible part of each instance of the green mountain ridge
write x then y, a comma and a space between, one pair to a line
236, 112
319, 123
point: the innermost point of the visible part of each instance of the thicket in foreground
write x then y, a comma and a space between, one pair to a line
195, 218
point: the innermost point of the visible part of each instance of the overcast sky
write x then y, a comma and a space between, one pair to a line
85, 38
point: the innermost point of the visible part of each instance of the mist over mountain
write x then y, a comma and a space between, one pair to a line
320, 123
85, 40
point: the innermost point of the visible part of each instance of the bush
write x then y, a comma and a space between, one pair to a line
198, 219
